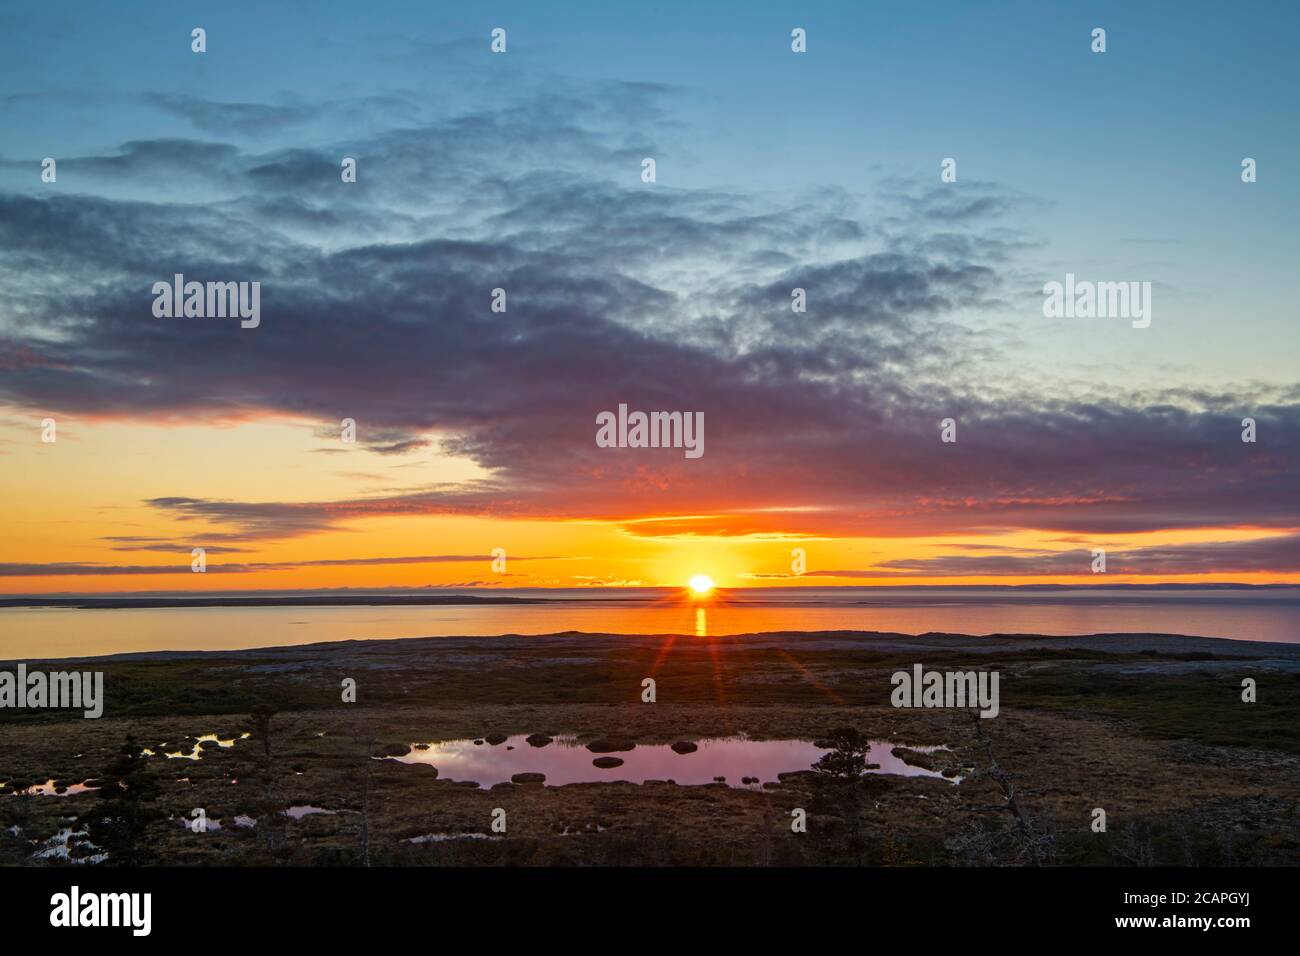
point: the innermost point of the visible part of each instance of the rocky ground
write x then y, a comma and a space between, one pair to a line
1149, 728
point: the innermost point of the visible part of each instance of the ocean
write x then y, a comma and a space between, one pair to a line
1237, 613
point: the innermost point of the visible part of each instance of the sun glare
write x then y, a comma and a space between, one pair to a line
701, 584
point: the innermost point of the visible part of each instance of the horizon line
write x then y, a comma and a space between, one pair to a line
398, 590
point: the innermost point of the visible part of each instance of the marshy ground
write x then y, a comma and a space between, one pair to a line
1149, 728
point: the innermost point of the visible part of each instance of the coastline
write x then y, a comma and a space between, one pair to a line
868, 641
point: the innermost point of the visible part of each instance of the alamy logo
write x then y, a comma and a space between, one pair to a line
103, 909
1098, 300
958, 689
58, 689
208, 300
651, 430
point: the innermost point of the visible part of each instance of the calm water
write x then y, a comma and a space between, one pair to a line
566, 761
1241, 614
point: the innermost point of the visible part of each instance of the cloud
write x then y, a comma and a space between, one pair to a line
400, 447
1278, 552
227, 118
71, 569
140, 543
375, 306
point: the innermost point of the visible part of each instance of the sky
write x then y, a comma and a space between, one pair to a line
522, 170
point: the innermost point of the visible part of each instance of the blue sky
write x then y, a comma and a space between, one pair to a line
1133, 154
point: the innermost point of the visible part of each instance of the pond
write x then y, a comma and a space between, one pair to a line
734, 759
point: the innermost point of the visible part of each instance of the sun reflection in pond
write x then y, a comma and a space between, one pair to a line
701, 622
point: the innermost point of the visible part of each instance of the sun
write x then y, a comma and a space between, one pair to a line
701, 584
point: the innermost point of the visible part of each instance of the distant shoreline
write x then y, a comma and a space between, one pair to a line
424, 648
120, 603
399, 597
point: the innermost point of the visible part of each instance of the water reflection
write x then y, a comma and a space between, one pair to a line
1265, 615
701, 622
197, 752
566, 761
52, 788
298, 812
